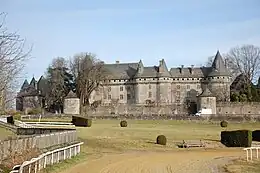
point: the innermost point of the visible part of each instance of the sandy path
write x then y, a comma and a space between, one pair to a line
157, 162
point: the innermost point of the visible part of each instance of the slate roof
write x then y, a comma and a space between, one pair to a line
71, 94
190, 72
218, 67
121, 70
206, 93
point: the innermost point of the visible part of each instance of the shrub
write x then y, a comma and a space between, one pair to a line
81, 121
238, 138
223, 123
10, 120
123, 123
34, 111
161, 139
256, 135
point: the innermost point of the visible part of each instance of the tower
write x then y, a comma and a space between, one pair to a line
164, 84
219, 79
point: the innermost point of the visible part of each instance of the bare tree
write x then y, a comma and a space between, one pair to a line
246, 60
89, 74
228, 63
12, 59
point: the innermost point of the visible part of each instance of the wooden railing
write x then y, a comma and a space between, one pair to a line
49, 158
250, 150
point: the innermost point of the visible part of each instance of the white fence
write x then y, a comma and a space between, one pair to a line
48, 124
251, 149
49, 158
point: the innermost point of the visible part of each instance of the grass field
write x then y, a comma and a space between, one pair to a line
106, 140
5, 134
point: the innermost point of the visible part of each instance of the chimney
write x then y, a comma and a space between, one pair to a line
182, 66
191, 69
117, 62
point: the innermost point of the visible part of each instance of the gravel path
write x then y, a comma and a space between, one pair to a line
158, 162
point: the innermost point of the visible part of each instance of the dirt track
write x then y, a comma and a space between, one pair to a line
158, 162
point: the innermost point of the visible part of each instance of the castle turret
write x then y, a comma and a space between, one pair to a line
164, 84
219, 79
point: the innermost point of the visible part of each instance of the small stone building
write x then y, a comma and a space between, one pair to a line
206, 100
71, 104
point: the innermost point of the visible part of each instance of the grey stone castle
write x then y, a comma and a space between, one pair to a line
134, 83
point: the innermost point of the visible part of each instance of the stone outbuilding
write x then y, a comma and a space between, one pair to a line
206, 100
71, 104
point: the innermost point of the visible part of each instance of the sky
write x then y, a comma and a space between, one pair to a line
183, 32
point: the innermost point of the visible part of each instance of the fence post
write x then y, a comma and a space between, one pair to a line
29, 171
52, 158
64, 154
45, 161
251, 154
70, 152
257, 153
35, 167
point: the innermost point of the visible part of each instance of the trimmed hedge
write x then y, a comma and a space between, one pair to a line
10, 120
123, 123
81, 121
238, 138
256, 135
224, 123
161, 139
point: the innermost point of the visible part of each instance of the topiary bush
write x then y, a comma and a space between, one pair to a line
81, 121
223, 123
237, 138
161, 139
256, 135
123, 123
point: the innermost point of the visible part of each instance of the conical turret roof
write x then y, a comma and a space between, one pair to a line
71, 94
218, 67
206, 93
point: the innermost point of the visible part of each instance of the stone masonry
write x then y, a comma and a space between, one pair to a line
134, 83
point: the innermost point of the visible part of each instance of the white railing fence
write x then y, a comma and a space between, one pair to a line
23, 124
49, 158
251, 150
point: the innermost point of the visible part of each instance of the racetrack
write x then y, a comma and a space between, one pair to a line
188, 161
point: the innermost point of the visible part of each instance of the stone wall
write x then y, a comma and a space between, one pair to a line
12, 146
72, 106
138, 110
239, 108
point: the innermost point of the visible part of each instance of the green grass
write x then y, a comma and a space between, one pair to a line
106, 136
5, 134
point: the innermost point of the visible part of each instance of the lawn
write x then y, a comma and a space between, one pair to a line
106, 136
5, 134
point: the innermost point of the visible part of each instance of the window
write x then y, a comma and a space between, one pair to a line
198, 86
178, 93
105, 96
188, 86
150, 87
178, 86
121, 97
150, 94
121, 88
109, 97
128, 96
109, 89
208, 100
